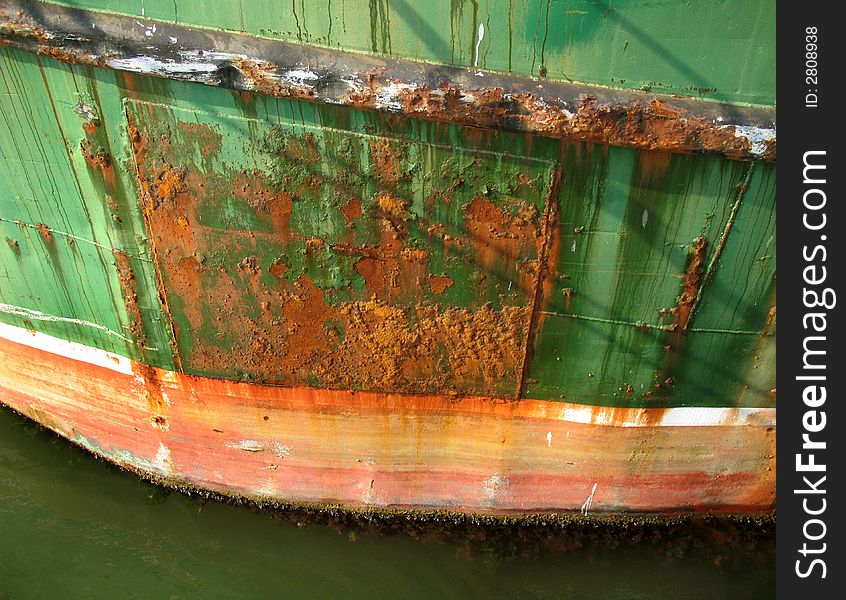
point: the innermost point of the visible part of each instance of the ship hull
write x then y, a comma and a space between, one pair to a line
285, 267
312, 446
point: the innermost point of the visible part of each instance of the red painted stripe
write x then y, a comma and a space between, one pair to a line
358, 448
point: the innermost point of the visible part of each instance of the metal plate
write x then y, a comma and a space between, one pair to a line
295, 252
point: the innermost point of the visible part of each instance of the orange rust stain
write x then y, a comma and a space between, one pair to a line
771, 317
391, 270
387, 161
298, 337
487, 107
129, 83
275, 331
656, 125
653, 164
417, 255
691, 283
769, 150
259, 77
376, 276
453, 350
126, 277
497, 235
644, 468
351, 210
279, 209
252, 188
45, 232
313, 245
66, 55
514, 235
99, 161
277, 269
169, 183
157, 406
439, 283
395, 211
210, 141
546, 272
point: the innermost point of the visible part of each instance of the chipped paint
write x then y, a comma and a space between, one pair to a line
278, 449
761, 139
478, 43
163, 460
390, 97
163, 67
247, 445
495, 485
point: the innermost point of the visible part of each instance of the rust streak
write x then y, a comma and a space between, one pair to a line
691, 284
740, 192
45, 232
139, 145
126, 276
548, 231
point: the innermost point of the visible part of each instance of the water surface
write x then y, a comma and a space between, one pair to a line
72, 526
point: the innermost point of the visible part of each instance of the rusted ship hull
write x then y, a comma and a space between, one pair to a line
298, 274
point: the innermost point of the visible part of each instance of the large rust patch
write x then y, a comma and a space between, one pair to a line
295, 255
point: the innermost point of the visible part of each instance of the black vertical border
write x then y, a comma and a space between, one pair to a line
800, 129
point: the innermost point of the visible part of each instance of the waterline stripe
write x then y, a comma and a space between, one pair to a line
66, 348
528, 408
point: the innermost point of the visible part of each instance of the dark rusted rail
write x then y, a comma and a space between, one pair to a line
436, 92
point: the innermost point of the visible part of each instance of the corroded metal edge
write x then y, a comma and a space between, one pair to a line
401, 87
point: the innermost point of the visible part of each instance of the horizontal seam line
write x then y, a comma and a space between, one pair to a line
642, 325
75, 238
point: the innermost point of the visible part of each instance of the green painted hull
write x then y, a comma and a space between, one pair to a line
500, 264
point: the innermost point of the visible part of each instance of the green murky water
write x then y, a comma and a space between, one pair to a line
72, 526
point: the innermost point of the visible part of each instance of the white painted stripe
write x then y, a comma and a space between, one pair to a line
68, 349
699, 416
575, 413
691, 416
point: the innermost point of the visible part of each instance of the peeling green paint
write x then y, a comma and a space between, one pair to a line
55, 207
618, 252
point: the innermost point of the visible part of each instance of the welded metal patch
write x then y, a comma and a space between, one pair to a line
293, 253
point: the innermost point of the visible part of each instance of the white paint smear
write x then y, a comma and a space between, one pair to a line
589, 501
479, 43
757, 136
